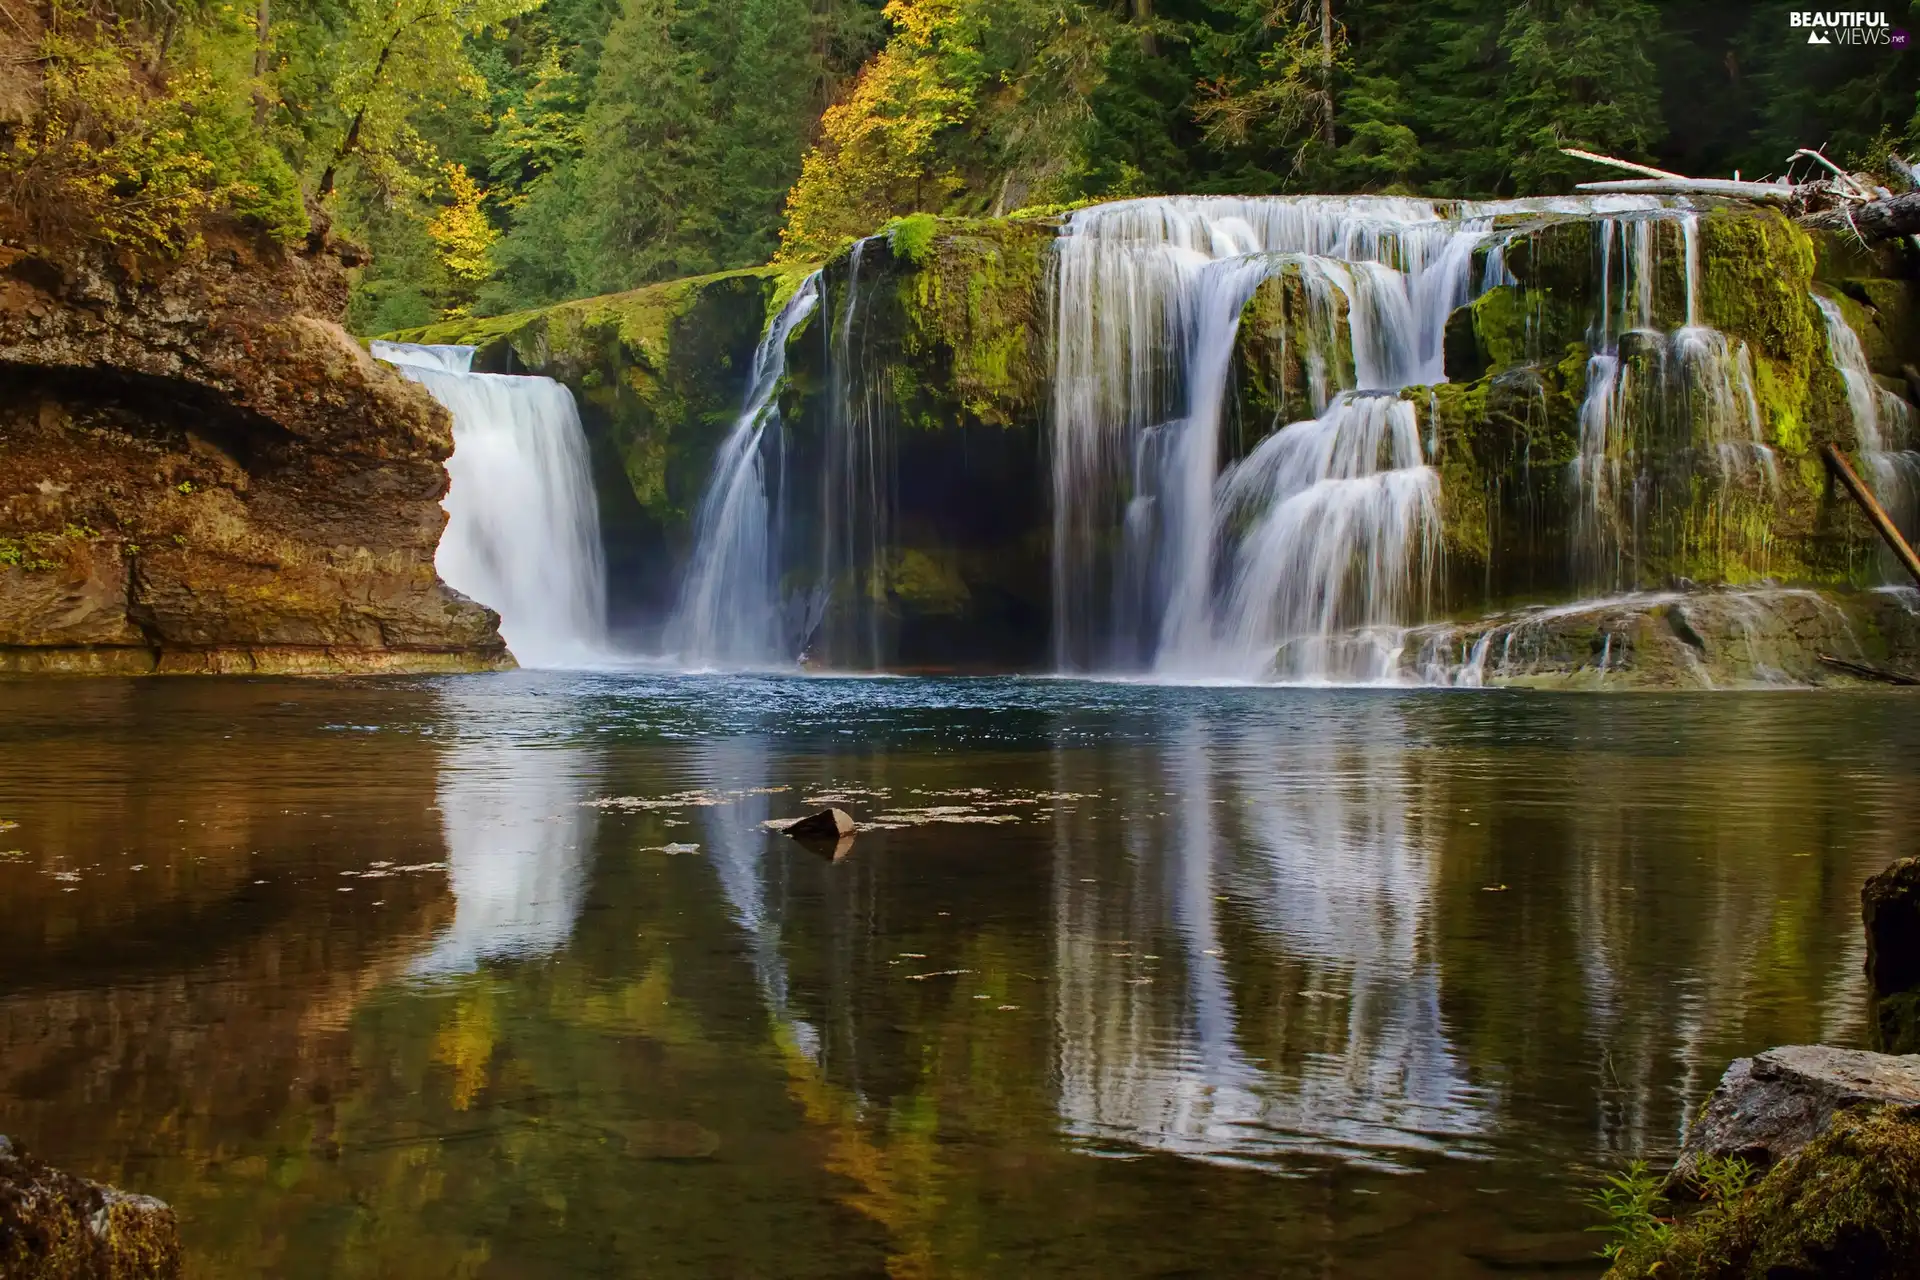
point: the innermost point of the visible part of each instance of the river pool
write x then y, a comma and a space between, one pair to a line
504, 976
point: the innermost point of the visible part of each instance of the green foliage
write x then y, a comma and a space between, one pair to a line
1580, 77
43, 552
117, 154
1626, 1200
911, 237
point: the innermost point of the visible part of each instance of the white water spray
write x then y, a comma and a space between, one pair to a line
523, 525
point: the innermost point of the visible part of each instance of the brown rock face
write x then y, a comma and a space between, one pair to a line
54, 1226
200, 471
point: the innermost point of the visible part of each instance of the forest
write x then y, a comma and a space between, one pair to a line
493, 155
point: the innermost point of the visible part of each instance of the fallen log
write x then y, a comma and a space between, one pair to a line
1866, 672
1886, 219
1876, 514
1767, 191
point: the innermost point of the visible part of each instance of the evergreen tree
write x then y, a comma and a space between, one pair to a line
1579, 76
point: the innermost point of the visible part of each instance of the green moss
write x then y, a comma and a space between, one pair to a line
911, 237
1755, 269
929, 583
44, 552
974, 307
1847, 1204
1288, 340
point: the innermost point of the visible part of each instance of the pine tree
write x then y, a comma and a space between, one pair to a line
1579, 76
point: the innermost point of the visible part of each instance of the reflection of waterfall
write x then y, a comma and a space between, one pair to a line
735, 840
1882, 421
518, 843
1316, 855
729, 610
523, 524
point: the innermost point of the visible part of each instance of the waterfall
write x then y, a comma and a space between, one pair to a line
1882, 421
523, 524
1245, 568
857, 491
1687, 394
729, 612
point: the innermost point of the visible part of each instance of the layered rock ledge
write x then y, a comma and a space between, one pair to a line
200, 471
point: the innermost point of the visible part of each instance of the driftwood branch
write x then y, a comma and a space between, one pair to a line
1844, 178
1628, 165
1766, 191
1843, 202
1876, 514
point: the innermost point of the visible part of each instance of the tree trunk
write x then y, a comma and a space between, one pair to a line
1326, 69
352, 140
1143, 18
262, 47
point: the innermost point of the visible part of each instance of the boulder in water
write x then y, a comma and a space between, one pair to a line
828, 824
1769, 1106
1890, 909
54, 1226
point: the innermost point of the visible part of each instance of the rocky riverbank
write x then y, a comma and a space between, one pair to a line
200, 471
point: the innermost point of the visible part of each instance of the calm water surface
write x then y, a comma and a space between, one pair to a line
503, 977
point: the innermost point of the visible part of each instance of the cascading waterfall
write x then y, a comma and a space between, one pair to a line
843, 626
730, 612
1325, 527
1641, 379
1882, 421
523, 524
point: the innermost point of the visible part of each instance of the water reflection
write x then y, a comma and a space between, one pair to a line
518, 835
1220, 933
1309, 852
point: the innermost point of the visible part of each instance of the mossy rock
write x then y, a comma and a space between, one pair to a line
1847, 1204
1294, 351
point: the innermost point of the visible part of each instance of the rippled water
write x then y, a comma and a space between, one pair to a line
503, 977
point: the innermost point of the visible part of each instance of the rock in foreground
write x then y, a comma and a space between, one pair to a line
201, 471
1846, 1206
1771, 1105
54, 1226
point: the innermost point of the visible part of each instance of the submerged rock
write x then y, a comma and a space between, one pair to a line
1890, 909
826, 825
54, 1226
200, 471
1771, 1105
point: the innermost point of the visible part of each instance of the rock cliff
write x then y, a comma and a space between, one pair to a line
200, 471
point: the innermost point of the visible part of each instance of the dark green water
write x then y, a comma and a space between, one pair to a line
1137, 981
